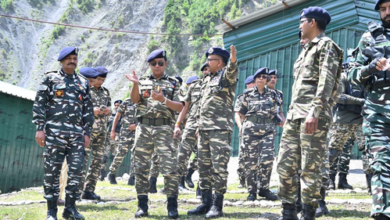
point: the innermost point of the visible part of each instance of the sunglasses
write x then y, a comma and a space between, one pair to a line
263, 76
154, 63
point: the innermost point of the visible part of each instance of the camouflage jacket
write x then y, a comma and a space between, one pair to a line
128, 111
63, 104
252, 103
193, 97
100, 99
316, 79
280, 94
377, 105
149, 108
217, 97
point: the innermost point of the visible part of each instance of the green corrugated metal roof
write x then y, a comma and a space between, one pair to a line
273, 41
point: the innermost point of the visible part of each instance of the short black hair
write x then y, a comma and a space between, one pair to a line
320, 24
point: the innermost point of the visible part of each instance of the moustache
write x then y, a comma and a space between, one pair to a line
71, 64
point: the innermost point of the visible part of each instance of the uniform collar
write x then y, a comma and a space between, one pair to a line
74, 75
97, 89
315, 40
165, 76
257, 89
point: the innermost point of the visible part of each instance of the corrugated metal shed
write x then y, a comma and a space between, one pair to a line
17, 91
272, 41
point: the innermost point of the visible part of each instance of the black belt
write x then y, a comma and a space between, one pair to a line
155, 121
259, 120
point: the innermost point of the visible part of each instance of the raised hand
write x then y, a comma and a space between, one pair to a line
132, 77
233, 54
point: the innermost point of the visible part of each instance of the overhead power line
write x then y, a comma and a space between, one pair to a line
105, 29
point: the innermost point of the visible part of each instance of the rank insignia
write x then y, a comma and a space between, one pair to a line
59, 93
80, 86
146, 94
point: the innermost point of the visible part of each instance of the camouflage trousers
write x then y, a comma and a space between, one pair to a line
187, 146
59, 148
126, 143
97, 147
258, 153
213, 159
301, 151
149, 139
154, 166
341, 163
325, 169
241, 158
111, 145
378, 144
339, 135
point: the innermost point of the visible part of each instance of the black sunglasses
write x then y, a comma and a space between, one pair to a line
154, 63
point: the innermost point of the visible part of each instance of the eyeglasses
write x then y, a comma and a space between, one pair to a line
263, 76
303, 21
154, 63
209, 60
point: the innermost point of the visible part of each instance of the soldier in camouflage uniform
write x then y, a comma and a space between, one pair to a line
305, 132
101, 100
188, 143
347, 122
63, 113
112, 145
154, 172
125, 112
215, 124
373, 73
258, 107
157, 97
250, 83
273, 74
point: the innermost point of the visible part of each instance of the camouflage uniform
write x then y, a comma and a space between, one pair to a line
112, 145
126, 141
341, 163
101, 99
241, 155
215, 127
154, 133
63, 109
258, 132
154, 166
313, 96
376, 120
189, 142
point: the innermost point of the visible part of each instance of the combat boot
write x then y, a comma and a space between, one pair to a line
368, 180
242, 183
189, 182
172, 207
142, 206
131, 181
70, 210
112, 178
343, 183
181, 184
198, 193
153, 182
216, 209
205, 206
51, 210
252, 197
322, 209
267, 194
102, 174
289, 212
332, 178
381, 217
308, 212
89, 196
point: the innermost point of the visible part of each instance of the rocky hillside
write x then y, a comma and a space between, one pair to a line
28, 49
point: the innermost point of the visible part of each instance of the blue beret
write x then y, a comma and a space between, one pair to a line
273, 72
102, 71
263, 70
378, 2
249, 79
159, 53
218, 51
191, 79
179, 78
118, 101
88, 72
67, 51
204, 66
316, 12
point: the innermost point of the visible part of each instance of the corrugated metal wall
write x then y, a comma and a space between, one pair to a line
21, 159
273, 42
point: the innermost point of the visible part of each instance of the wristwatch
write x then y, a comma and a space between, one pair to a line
165, 101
